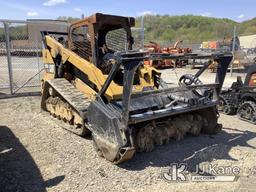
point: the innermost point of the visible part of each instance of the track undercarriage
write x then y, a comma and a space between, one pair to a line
58, 96
240, 98
245, 110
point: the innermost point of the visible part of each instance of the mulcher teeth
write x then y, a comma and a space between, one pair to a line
156, 134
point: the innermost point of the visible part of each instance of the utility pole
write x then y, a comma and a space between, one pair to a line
233, 50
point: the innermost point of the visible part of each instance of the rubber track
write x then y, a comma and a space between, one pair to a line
229, 103
253, 105
71, 95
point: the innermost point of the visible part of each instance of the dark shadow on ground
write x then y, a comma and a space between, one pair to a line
192, 150
18, 171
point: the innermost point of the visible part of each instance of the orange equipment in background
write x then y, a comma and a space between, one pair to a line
154, 47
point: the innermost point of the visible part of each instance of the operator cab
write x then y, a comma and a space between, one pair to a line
98, 37
250, 79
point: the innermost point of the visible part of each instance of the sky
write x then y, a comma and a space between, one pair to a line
238, 10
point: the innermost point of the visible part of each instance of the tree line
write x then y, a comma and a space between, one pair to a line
193, 29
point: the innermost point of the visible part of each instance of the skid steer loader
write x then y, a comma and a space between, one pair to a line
99, 86
240, 98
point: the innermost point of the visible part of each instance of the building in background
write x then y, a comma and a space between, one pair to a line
30, 38
35, 26
248, 42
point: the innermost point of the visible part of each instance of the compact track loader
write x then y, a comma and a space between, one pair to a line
240, 98
98, 85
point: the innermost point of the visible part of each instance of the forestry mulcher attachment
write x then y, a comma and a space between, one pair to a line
100, 89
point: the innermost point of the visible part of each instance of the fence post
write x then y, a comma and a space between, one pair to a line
8, 52
142, 32
37, 55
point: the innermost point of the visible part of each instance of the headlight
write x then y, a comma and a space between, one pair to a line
50, 68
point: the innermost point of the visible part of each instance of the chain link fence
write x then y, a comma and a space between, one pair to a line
21, 57
26, 57
21, 53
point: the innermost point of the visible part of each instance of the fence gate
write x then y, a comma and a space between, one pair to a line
21, 53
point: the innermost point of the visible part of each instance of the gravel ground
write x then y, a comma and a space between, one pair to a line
36, 154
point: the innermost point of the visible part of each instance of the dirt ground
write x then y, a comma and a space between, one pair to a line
37, 154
